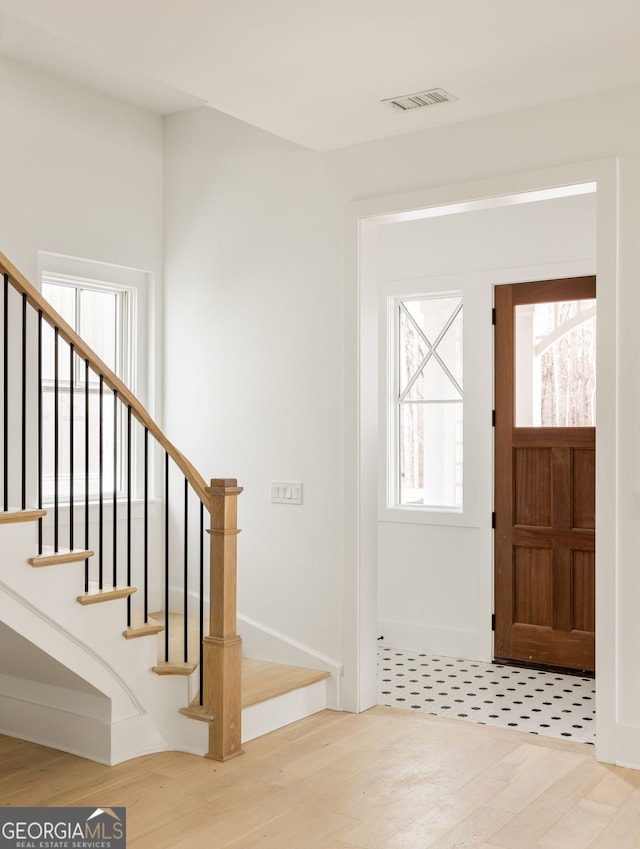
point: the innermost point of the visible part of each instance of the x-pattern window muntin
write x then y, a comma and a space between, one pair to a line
432, 352
428, 400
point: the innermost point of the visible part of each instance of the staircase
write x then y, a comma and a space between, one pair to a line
121, 603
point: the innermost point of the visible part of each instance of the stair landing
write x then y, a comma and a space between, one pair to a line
262, 679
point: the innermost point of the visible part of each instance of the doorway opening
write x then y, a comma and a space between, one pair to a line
380, 524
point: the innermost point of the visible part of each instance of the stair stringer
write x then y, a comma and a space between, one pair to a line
40, 605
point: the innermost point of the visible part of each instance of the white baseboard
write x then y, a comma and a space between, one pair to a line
81, 725
73, 702
470, 645
627, 745
84, 736
138, 736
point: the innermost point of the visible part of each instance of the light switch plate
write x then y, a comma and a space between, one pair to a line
286, 492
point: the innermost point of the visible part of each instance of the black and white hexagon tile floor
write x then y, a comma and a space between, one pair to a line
489, 693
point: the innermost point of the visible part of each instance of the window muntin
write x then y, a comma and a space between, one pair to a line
428, 401
101, 314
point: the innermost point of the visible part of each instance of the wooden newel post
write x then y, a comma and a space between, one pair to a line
223, 647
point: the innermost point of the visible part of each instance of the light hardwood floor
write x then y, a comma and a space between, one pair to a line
385, 779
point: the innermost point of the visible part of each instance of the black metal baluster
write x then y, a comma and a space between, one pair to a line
72, 517
166, 556
115, 487
201, 631
23, 499
146, 525
129, 513
5, 407
100, 481
186, 570
56, 437
40, 404
86, 473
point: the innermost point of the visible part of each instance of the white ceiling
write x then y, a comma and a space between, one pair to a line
314, 71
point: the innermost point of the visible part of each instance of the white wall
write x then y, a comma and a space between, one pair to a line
254, 254
81, 175
435, 570
253, 356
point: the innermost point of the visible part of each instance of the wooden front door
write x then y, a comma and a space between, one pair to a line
545, 473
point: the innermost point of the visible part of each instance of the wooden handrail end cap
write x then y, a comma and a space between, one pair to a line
224, 482
227, 485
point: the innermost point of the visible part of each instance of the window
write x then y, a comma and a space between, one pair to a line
102, 315
427, 457
555, 364
97, 312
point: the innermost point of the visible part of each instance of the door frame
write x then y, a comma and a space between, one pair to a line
360, 387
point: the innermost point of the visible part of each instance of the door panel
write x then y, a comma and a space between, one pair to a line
532, 486
583, 468
545, 479
532, 574
584, 588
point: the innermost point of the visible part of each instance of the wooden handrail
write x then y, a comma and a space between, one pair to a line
22, 285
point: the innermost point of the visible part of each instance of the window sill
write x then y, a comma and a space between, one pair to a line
444, 517
137, 509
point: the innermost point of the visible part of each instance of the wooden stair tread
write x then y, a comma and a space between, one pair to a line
262, 679
49, 557
176, 635
195, 711
174, 667
140, 628
8, 517
94, 596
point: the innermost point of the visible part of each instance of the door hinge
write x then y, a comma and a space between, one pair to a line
493, 622
493, 418
493, 520
493, 315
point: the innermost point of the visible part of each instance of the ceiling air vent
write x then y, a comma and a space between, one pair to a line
422, 98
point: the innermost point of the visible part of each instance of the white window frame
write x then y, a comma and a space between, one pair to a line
125, 324
478, 397
390, 333
125, 283
399, 402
